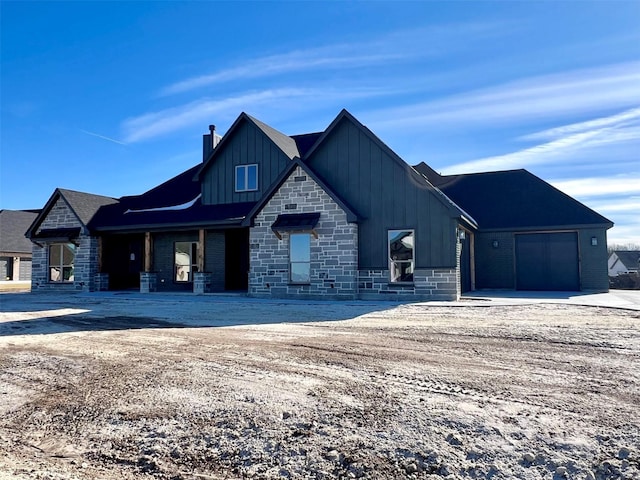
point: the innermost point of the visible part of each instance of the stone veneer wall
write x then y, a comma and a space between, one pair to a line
334, 254
428, 284
86, 261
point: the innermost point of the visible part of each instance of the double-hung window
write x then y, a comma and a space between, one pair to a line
401, 255
61, 261
246, 178
300, 257
186, 261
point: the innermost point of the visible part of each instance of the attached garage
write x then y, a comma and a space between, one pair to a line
547, 261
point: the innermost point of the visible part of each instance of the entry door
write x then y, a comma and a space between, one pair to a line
547, 261
236, 253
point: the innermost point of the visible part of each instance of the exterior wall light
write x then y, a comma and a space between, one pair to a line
594, 241
495, 244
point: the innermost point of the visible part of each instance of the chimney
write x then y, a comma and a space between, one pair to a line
209, 142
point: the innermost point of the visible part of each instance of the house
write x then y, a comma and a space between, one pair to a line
331, 214
15, 249
622, 262
530, 235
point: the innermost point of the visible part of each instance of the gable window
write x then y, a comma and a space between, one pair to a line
401, 255
246, 178
186, 255
300, 257
61, 260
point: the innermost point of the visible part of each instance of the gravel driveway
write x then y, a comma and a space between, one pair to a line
183, 387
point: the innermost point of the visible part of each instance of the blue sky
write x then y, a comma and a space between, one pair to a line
112, 98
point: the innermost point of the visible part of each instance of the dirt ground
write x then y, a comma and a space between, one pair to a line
95, 388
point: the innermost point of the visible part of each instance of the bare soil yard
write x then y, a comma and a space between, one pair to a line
104, 388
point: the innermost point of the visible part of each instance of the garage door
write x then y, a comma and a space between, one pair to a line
547, 261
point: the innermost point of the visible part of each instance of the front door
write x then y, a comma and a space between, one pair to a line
236, 257
123, 260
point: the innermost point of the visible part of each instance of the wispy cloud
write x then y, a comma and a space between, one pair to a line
544, 97
383, 51
566, 143
103, 137
623, 119
619, 185
201, 111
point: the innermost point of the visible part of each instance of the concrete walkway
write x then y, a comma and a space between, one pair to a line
627, 299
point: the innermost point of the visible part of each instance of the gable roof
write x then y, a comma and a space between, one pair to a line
83, 205
352, 216
13, 226
629, 258
513, 199
285, 143
411, 172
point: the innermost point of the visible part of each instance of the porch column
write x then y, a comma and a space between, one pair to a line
202, 236
16, 269
148, 252
148, 278
201, 279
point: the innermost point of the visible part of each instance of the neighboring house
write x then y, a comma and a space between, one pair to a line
15, 248
333, 214
622, 262
530, 235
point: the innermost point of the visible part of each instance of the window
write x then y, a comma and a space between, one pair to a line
300, 257
401, 255
186, 255
61, 260
246, 178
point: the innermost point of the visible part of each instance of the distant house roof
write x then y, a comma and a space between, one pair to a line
13, 226
629, 258
512, 199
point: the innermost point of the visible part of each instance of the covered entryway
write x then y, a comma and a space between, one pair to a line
122, 259
547, 261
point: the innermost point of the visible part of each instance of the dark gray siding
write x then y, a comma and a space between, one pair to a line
387, 195
163, 260
249, 145
494, 265
496, 268
214, 260
594, 274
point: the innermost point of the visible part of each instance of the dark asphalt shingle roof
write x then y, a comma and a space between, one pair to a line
512, 199
85, 205
156, 208
13, 225
284, 142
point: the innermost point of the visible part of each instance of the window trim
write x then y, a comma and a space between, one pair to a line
246, 178
193, 262
413, 256
291, 262
62, 265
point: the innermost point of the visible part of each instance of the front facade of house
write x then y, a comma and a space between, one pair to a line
333, 214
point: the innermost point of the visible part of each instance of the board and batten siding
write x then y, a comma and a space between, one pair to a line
248, 146
386, 194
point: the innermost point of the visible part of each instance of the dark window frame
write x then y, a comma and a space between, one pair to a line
192, 265
397, 274
293, 262
62, 267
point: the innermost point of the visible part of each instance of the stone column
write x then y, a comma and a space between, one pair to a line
202, 282
148, 282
